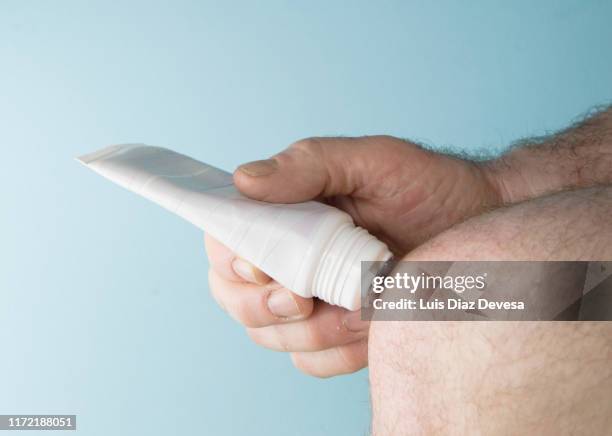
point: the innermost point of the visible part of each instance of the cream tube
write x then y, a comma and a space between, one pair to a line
310, 248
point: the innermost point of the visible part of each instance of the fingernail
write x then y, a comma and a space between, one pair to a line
353, 322
244, 269
259, 168
282, 304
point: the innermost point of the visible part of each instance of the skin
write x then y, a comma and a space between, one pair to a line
518, 378
399, 192
406, 196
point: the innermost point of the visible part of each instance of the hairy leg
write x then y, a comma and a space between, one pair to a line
506, 377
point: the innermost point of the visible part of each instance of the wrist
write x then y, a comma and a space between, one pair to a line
546, 168
507, 180
575, 158
519, 176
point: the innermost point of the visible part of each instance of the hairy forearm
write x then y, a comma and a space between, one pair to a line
577, 157
502, 377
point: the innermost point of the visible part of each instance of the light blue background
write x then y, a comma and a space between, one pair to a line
104, 306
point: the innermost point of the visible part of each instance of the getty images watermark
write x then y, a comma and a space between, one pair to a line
487, 291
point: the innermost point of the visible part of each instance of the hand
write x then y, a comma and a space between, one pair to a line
399, 192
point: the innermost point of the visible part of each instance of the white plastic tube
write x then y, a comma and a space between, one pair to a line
310, 248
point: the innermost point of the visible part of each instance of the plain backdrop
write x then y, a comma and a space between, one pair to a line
104, 303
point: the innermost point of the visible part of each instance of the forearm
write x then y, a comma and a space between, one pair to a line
577, 157
502, 378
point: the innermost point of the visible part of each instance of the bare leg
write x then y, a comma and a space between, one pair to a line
502, 378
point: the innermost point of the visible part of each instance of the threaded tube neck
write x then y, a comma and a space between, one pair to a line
337, 278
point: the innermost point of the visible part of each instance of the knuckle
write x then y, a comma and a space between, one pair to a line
314, 337
308, 145
303, 364
392, 144
268, 337
281, 340
243, 311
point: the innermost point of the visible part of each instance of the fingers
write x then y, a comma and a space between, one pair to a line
258, 305
247, 293
318, 167
230, 267
344, 359
327, 327
329, 341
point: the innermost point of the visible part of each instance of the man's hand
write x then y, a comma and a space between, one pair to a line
402, 194
396, 190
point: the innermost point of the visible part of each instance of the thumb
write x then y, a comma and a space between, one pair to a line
311, 168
